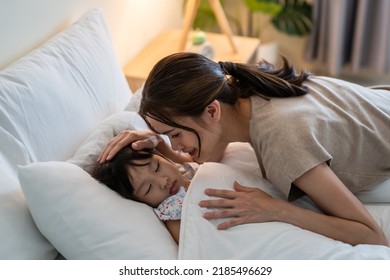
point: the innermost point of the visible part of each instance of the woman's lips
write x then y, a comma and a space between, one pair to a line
192, 153
174, 187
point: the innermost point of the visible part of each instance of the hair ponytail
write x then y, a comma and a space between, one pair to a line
183, 84
265, 80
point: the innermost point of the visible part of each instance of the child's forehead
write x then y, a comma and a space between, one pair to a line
147, 162
142, 162
137, 168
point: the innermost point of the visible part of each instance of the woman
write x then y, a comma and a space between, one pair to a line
315, 136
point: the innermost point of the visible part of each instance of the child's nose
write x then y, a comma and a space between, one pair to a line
163, 182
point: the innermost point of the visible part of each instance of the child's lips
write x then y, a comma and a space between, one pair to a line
174, 187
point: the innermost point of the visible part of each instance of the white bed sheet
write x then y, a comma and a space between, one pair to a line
199, 238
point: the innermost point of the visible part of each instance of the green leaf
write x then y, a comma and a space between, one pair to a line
294, 18
270, 7
205, 20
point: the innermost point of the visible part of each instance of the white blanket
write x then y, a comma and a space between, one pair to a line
199, 238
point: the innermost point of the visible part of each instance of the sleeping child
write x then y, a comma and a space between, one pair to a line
149, 177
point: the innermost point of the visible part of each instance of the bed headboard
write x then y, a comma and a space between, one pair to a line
26, 24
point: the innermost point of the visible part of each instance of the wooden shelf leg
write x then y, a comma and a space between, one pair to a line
223, 22
189, 17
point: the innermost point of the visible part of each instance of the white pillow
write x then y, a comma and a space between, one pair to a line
50, 100
20, 238
135, 100
241, 156
378, 194
53, 98
88, 152
84, 219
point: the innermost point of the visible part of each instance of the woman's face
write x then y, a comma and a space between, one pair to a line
156, 180
187, 141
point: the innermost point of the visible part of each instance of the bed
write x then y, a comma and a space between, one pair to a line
59, 105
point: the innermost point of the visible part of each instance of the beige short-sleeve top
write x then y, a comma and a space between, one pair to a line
343, 124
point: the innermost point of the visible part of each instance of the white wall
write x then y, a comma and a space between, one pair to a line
26, 24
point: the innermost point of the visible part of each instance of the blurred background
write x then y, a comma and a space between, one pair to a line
349, 39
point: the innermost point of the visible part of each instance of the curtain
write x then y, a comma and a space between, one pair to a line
351, 32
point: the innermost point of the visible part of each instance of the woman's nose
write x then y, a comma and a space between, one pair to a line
176, 145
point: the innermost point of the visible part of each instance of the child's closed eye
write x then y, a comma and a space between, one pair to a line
157, 166
149, 188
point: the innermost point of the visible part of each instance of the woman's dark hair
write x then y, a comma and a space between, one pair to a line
114, 173
184, 84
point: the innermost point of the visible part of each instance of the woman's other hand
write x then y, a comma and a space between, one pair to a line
243, 205
139, 140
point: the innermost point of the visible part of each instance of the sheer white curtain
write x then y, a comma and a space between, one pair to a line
351, 32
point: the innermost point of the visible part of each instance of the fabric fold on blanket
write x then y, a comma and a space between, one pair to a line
200, 239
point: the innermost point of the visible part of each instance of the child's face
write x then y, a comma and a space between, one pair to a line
155, 181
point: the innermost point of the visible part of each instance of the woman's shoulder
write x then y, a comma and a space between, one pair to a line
333, 85
291, 119
280, 110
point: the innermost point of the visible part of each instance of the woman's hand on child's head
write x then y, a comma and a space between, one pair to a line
149, 142
139, 140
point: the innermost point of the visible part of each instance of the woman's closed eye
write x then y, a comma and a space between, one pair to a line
173, 136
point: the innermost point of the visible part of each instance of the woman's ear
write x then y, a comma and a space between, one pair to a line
212, 112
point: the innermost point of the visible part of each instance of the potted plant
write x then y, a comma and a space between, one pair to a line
292, 17
205, 18
289, 17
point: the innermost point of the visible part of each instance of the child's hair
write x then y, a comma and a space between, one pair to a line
114, 173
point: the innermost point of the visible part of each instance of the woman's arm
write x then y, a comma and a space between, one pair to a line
345, 218
173, 227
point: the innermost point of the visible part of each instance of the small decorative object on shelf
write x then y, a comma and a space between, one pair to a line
137, 70
191, 9
199, 44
